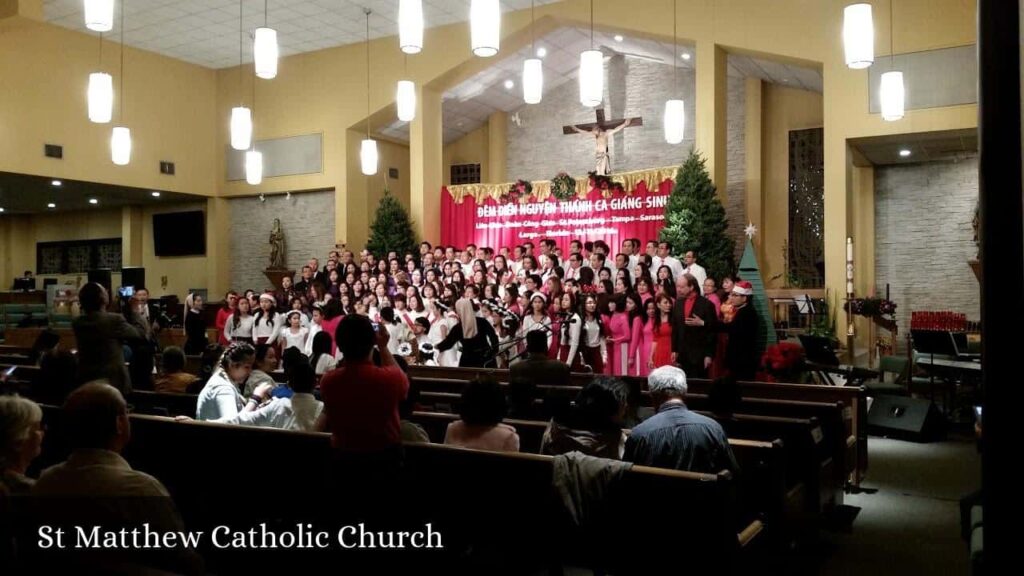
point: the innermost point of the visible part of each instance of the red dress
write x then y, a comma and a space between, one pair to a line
663, 341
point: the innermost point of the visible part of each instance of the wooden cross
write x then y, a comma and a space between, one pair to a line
602, 123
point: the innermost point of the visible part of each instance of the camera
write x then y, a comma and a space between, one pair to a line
126, 291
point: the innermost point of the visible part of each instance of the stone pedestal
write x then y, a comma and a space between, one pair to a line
275, 276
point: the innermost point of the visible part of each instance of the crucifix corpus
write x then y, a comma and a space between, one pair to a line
601, 130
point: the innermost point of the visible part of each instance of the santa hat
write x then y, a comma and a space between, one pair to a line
268, 297
743, 288
539, 294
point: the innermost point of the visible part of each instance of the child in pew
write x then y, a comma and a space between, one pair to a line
174, 378
480, 427
593, 425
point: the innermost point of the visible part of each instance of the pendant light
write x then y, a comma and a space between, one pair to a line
485, 27
410, 26
121, 136
101, 93
533, 70
675, 110
264, 49
891, 93
253, 157
591, 70
241, 116
99, 15
368, 148
858, 36
406, 100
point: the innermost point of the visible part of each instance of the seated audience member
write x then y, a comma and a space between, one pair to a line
594, 425
298, 412
361, 399
675, 437
220, 398
56, 378
264, 364
536, 369
207, 366
21, 441
96, 486
480, 427
322, 360
174, 378
291, 358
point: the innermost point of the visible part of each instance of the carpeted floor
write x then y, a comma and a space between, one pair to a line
911, 525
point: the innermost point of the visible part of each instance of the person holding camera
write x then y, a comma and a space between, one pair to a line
101, 336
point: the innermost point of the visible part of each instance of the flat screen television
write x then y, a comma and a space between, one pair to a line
179, 233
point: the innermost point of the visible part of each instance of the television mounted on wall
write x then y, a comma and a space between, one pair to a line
179, 233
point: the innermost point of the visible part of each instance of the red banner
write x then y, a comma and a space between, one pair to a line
640, 214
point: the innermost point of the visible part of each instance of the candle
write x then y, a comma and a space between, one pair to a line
849, 287
849, 249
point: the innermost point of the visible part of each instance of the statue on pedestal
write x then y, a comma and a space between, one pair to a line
276, 246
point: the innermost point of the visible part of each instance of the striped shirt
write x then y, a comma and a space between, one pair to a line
680, 439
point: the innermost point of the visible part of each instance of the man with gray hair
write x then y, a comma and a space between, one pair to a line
675, 437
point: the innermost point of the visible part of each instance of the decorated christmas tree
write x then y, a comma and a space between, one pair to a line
391, 229
695, 220
751, 272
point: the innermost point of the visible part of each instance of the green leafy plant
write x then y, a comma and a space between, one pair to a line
563, 187
391, 229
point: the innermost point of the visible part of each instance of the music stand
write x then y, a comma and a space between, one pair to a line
821, 351
932, 342
804, 304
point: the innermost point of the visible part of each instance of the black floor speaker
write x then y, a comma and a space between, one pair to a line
913, 419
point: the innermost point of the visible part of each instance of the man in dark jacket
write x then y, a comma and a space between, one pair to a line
741, 358
536, 369
693, 319
100, 337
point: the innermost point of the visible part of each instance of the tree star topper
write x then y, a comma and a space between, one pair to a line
750, 230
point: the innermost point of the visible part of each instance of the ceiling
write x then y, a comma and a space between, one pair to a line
25, 194
205, 32
468, 105
923, 147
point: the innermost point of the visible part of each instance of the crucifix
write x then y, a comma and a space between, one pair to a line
601, 130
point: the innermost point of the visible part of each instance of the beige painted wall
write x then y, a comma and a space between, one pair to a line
783, 109
470, 149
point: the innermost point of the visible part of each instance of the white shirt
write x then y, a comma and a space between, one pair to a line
313, 329
593, 334
260, 328
244, 329
296, 339
633, 261
673, 264
296, 413
399, 332
325, 364
530, 324
574, 335
220, 398
698, 272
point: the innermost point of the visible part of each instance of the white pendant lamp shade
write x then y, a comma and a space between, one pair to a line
253, 167
485, 27
675, 121
591, 77
101, 97
368, 156
410, 26
241, 128
406, 99
858, 36
121, 146
891, 95
99, 15
533, 80
264, 50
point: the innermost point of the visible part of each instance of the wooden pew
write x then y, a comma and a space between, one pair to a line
495, 511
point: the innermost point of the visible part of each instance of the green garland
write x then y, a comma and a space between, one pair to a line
563, 187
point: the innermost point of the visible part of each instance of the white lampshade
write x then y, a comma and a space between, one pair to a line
121, 146
253, 167
410, 26
533, 80
675, 121
406, 99
591, 77
858, 35
99, 15
101, 97
368, 156
485, 27
264, 52
241, 128
891, 95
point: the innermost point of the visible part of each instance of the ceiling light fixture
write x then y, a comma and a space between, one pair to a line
410, 26
509, 84
99, 15
121, 137
93, 201
542, 52
241, 116
51, 205
533, 68
686, 55
56, 183
101, 93
591, 70
904, 153
485, 27
891, 93
155, 194
368, 149
264, 49
675, 109
405, 97
253, 157
618, 38
858, 36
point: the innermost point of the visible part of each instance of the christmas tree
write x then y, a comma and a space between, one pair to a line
391, 229
751, 272
695, 220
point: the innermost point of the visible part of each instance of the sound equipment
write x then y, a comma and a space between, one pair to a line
101, 276
913, 419
133, 276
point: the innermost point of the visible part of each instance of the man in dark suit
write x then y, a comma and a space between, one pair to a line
533, 370
101, 336
693, 337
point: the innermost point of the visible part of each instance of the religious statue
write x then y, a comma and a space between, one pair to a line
276, 246
601, 130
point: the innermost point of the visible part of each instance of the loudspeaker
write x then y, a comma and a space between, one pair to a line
911, 419
101, 276
133, 276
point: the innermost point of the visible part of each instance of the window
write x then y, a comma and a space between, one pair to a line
78, 256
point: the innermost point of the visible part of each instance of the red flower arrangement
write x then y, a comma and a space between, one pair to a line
782, 362
605, 183
517, 191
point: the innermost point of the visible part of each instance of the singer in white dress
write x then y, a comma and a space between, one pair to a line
438, 332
